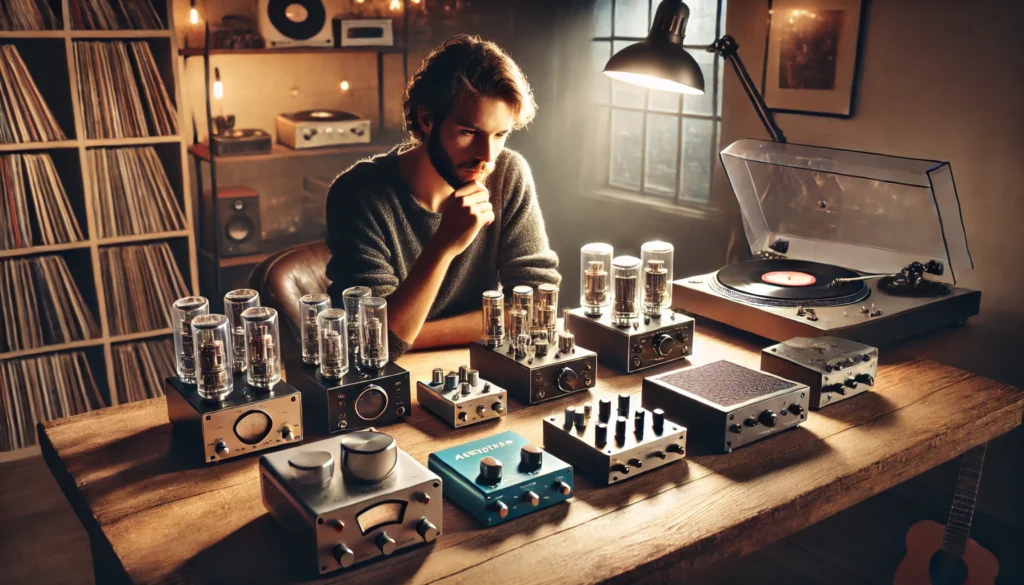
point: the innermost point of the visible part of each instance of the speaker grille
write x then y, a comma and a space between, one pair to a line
725, 383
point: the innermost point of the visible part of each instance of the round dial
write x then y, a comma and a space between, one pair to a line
371, 403
663, 344
253, 426
567, 380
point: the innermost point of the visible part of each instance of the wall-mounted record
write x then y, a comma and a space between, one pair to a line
297, 19
783, 282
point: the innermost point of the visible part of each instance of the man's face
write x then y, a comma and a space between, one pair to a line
464, 146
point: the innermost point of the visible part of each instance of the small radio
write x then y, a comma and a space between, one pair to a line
461, 398
316, 128
834, 369
725, 405
351, 499
366, 32
499, 478
618, 445
647, 342
245, 421
359, 399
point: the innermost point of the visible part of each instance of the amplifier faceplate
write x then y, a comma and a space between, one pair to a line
651, 343
546, 378
359, 400
834, 369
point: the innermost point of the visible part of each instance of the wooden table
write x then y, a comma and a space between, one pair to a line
155, 517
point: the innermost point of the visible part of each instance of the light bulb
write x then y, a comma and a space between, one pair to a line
218, 90
193, 16
396, 5
344, 86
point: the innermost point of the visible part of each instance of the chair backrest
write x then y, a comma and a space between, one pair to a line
283, 278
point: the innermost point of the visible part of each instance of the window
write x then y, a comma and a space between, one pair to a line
661, 145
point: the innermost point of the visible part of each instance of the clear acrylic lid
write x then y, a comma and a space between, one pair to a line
867, 212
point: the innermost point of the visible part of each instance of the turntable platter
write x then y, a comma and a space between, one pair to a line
788, 283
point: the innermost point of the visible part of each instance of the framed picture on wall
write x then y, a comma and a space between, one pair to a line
812, 57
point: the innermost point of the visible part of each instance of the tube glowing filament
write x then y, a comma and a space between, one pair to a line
183, 311
373, 332
213, 356
263, 367
493, 306
333, 332
235, 303
546, 313
309, 307
595, 259
625, 277
657, 261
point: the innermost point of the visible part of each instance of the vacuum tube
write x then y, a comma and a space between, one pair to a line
566, 340
657, 263
183, 311
235, 303
595, 260
518, 331
373, 332
522, 298
214, 379
494, 318
333, 331
263, 368
545, 314
350, 298
625, 277
309, 307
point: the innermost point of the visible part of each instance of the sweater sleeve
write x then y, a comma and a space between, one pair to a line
525, 256
360, 255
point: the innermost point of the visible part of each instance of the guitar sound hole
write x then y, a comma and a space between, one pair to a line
947, 568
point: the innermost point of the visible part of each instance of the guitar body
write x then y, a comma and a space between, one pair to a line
927, 563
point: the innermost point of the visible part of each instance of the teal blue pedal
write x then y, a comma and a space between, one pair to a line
502, 477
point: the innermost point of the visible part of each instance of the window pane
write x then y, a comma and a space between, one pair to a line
600, 83
631, 18
626, 94
700, 29
722, 66
721, 21
695, 165
626, 144
701, 104
662, 156
603, 18
663, 101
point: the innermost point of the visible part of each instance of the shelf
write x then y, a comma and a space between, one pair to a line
51, 348
27, 146
32, 34
143, 237
18, 454
120, 34
133, 141
198, 51
141, 335
15, 252
202, 152
232, 261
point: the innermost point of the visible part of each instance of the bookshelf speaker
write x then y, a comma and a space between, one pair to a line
238, 213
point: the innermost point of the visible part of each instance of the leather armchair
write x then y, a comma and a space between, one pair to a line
283, 278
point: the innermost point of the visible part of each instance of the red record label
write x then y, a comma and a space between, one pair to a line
788, 278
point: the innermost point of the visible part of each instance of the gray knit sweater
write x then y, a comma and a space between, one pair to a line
376, 230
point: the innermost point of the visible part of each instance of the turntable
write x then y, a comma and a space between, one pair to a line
862, 246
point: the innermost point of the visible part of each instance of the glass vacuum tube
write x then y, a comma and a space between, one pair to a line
657, 264
235, 303
350, 297
522, 298
309, 307
373, 332
333, 331
494, 318
210, 334
545, 314
625, 279
595, 260
262, 340
518, 330
183, 311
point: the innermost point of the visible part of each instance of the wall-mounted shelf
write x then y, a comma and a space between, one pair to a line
198, 51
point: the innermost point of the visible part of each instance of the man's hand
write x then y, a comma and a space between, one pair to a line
467, 210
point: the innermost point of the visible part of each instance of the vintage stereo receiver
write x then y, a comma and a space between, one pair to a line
725, 405
499, 478
351, 499
360, 399
462, 398
619, 445
366, 32
316, 128
833, 369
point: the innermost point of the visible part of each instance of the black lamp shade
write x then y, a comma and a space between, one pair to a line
660, 61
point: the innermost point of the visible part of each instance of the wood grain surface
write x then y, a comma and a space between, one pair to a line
156, 515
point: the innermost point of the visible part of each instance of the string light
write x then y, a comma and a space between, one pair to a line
396, 5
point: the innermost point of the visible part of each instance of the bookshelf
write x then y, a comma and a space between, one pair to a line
50, 56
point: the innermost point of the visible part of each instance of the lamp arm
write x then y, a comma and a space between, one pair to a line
727, 48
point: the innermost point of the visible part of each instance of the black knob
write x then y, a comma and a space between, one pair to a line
570, 415
658, 420
750, 422
735, 429
451, 382
866, 379
601, 434
834, 388
796, 408
621, 468
663, 344
675, 448
567, 380
768, 418
580, 420
620, 428
850, 383
604, 409
530, 457
638, 422
623, 403
636, 463
490, 471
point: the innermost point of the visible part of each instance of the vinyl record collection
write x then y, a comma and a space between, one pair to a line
42, 304
140, 369
33, 203
114, 15
24, 115
132, 192
43, 388
27, 15
121, 91
141, 282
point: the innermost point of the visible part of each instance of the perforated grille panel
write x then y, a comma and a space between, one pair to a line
725, 383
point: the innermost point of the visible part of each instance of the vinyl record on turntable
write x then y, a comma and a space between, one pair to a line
783, 282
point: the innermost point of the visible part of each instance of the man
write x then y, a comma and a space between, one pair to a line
437, 221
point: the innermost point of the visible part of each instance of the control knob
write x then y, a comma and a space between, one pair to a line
344, 556
530, 458
385, 543
426, 530
367, 456
567, 380
663, 344
768, 418
490, 471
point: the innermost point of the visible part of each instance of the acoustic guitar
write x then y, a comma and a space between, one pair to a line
946, 555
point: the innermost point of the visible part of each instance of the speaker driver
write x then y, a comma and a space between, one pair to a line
297, 19
239, 228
